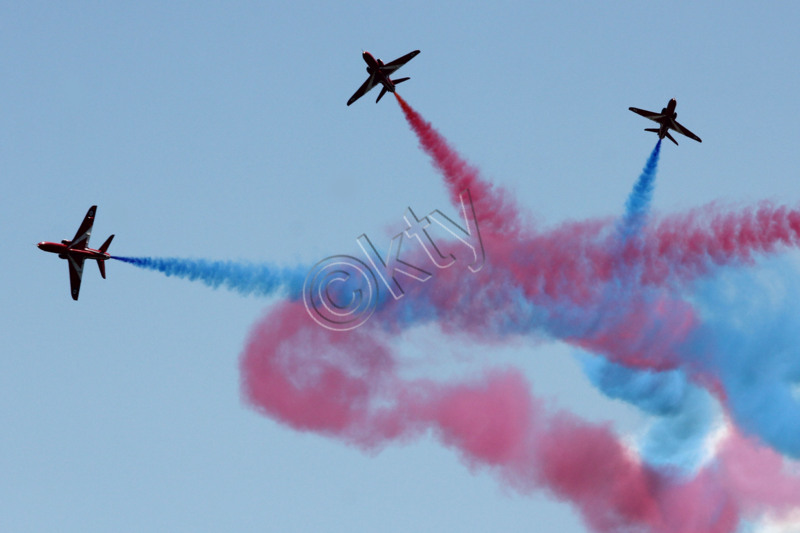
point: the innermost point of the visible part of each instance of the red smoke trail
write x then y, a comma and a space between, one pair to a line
497, 210
689, 244
349, 386
574, 261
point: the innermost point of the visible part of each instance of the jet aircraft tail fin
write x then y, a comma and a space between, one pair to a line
101, 263
106, 244
383, 91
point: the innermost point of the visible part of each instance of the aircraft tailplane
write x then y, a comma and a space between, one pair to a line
383, 91
671, 138
401, 80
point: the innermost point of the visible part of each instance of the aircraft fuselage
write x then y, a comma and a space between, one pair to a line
668, 112
374, 68
63, 250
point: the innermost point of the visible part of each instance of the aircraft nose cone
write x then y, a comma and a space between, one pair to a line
40, 245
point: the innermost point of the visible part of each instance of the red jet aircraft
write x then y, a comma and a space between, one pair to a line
77, 251
666, 120
379, 73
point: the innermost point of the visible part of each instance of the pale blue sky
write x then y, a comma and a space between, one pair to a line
220, 130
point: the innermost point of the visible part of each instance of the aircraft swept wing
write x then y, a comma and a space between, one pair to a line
81, 239
75, 275
399, 62
364, 89
675, 125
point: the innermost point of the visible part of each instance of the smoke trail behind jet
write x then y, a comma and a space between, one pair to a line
497, 209
638, 203
244, 278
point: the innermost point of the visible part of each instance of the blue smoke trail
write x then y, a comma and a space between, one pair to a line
244, 278
638, 203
